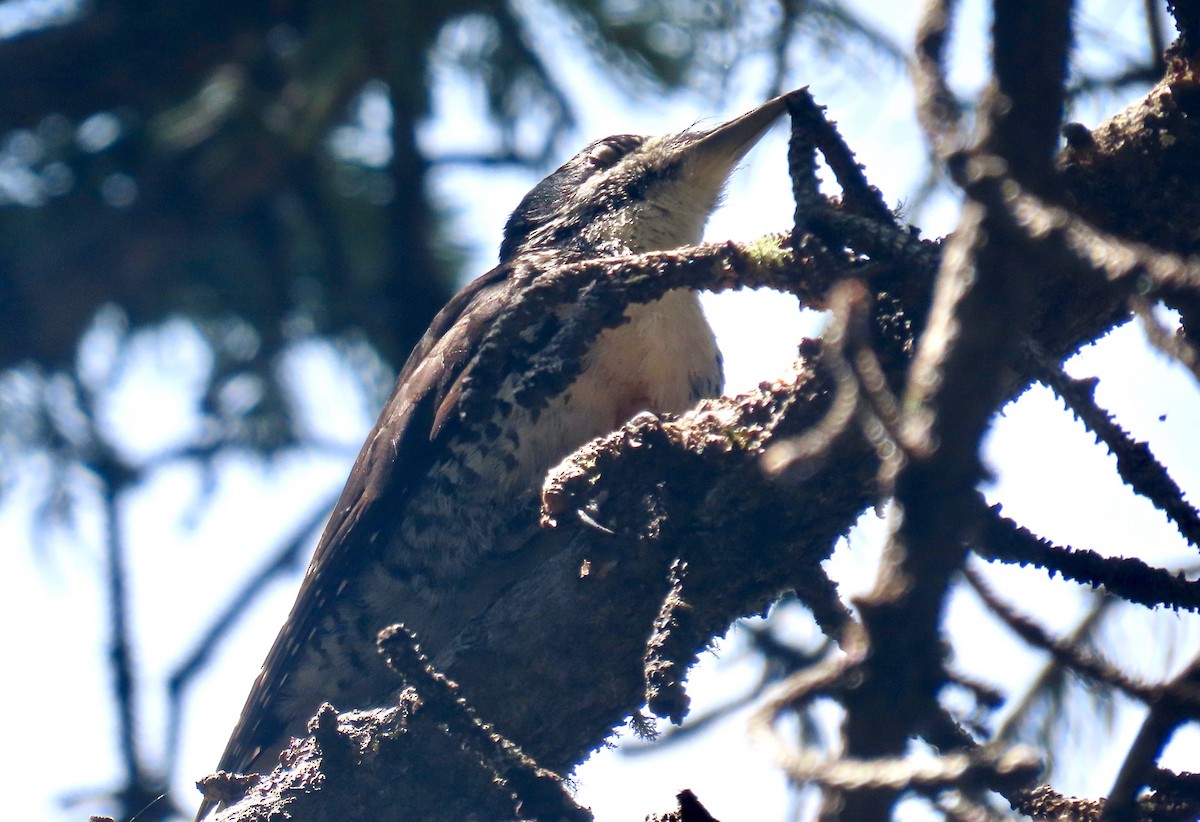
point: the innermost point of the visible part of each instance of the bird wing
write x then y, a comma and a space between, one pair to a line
398, 452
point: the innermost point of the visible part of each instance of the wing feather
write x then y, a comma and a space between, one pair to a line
399, 451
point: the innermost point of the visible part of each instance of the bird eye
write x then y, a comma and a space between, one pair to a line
605, 155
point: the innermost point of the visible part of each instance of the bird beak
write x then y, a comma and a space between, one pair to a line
722, 147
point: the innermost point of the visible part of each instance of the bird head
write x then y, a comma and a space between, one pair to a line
631, 194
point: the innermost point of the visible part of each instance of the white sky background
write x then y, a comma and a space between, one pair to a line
1051, 477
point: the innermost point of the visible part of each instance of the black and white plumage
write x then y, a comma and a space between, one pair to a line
433, 523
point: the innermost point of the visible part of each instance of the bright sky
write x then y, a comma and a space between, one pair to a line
1050, 476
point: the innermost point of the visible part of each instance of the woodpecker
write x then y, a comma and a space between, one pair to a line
435, 517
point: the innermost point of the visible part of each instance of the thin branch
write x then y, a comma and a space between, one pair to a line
810, 127
1003, 540
857, 375
981, 306
540, 794
800, 454
1045, 803
140, 789
791, 12
984, 768
878, 39
1143, 268
802, 170
1082, 662
1139, 74
120, 656
780, 660
489, 159
1176, 346
981, 766
1152, 9
1048, 684
1136, 463
508, 17
1177, 705
817, 592
938, 110
285, 557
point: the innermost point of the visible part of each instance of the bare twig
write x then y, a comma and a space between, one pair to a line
1136, 463
810, 127
1047, 687
540, 793
1127, 577
1082, 662
1178, 704
283, 558
119, 639
802, 169
799, 454
1176, 346
937, 109
971, 769
1138, 266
